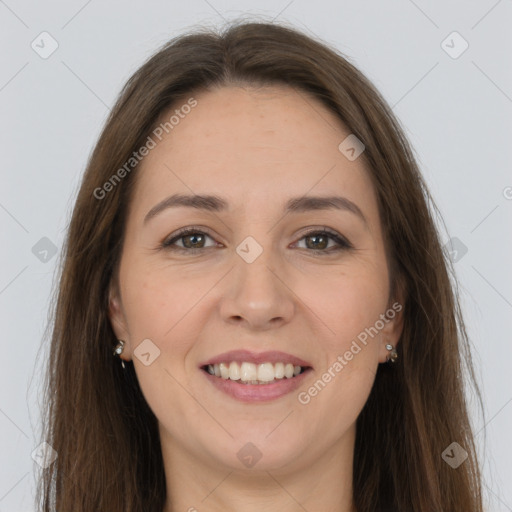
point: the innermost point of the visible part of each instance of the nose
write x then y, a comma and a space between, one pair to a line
257, 295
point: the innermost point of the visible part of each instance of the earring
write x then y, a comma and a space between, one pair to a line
393, 355
119, 350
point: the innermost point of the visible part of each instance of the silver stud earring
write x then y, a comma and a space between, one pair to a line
393, 355
119, 350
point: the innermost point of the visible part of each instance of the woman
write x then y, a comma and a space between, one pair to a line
253, 240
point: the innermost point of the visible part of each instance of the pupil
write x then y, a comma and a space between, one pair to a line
316, 246
194, 238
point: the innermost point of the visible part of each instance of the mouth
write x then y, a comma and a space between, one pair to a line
254, 374
256, 377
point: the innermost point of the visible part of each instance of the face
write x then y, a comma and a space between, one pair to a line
264, 269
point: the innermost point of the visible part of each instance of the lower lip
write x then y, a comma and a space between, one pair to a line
257, 392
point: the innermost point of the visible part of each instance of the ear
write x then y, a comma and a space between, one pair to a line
394, 325
118, 319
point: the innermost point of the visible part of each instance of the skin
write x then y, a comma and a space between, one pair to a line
256, 148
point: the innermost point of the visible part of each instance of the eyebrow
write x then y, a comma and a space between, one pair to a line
214, 203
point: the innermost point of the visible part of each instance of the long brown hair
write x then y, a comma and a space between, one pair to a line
95, 416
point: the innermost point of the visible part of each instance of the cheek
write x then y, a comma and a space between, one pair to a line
162, 307
169, 307
346, 304
349, 304
159, 300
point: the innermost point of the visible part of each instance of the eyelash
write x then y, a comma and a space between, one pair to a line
343, 244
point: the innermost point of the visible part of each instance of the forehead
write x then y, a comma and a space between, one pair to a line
252, 145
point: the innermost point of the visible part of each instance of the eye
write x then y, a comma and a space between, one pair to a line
318, 241
192, 239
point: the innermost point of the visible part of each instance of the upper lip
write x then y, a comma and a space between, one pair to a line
241, 356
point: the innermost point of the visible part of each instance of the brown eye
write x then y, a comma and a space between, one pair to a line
318, 242
191, 239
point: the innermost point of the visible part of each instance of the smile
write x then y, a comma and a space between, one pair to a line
256, 374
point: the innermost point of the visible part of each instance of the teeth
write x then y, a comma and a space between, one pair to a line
234, 371
224, 370
266, 372
288, 371
250, 373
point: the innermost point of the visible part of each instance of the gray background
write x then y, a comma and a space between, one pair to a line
456, 112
